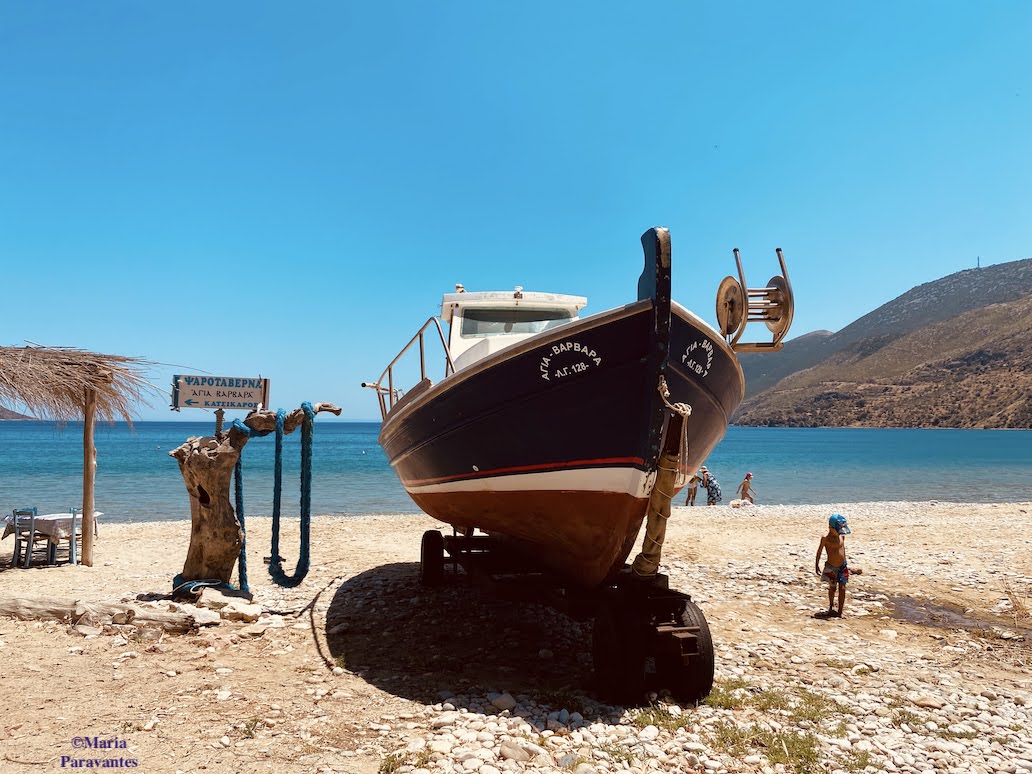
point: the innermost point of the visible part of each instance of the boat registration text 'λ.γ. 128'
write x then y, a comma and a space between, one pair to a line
566, 359
225, 392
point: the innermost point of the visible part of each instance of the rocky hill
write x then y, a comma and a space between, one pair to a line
952, 353
8, 414
924, 305
764, 370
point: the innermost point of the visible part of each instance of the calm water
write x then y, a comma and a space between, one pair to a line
41, 464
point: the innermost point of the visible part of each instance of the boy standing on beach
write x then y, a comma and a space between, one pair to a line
836, 570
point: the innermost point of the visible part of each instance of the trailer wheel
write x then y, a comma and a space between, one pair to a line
431, 558
692, 682
618, 654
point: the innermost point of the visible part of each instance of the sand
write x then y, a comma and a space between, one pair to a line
232, 698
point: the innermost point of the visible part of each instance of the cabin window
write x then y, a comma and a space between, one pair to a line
477, 323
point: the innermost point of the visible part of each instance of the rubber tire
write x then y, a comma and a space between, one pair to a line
693, 683
431, 558
618, 654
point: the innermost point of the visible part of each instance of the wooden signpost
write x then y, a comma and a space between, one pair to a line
219, 393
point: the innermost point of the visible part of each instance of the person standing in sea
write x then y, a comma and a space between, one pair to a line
713, 494
693, 489
745, 488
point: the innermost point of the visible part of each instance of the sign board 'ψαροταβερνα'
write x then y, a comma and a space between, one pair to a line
219, 392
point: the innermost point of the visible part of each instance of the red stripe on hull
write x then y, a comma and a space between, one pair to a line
594, 534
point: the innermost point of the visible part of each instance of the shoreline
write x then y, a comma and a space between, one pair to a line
341, 420
759, 509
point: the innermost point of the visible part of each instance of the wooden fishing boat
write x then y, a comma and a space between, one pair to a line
547, 429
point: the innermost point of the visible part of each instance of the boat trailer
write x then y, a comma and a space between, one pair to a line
645, 637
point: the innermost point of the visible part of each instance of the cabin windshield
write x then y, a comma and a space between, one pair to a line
477, 323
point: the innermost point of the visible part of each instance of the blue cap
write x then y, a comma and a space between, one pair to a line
838, 521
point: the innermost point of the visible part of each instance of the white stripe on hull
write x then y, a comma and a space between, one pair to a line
622, 480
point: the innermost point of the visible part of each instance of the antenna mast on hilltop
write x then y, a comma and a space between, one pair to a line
978, 262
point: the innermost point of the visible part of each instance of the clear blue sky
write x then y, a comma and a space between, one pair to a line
288, 188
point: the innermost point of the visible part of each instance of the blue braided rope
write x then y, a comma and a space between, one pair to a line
190, 590
277, 497
238, 485
304, 556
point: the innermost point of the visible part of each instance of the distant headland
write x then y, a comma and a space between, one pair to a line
8, 414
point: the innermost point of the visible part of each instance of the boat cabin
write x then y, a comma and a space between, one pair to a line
485, 322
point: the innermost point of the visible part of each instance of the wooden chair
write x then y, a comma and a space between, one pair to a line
25, 535
74, 540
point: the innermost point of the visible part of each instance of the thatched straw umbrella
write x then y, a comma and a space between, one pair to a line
63, 383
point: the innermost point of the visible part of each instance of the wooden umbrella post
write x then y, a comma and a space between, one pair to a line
89, 472
64, 383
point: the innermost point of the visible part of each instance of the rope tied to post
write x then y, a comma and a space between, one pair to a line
209, 553
276, 561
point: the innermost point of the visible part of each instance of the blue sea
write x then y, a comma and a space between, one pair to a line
41, 464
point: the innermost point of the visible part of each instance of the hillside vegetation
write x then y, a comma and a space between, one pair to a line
915, 362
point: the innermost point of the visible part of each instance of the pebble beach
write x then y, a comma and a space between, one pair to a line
361, 669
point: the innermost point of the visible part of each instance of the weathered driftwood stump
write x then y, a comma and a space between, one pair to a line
207, 467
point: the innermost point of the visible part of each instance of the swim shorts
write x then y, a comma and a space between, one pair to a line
835, 573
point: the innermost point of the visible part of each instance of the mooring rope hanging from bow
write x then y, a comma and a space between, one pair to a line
304, 556
671, 473
685, 411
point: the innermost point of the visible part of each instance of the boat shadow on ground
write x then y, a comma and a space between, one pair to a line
415, 641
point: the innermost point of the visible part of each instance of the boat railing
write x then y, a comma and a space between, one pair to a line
387, 393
